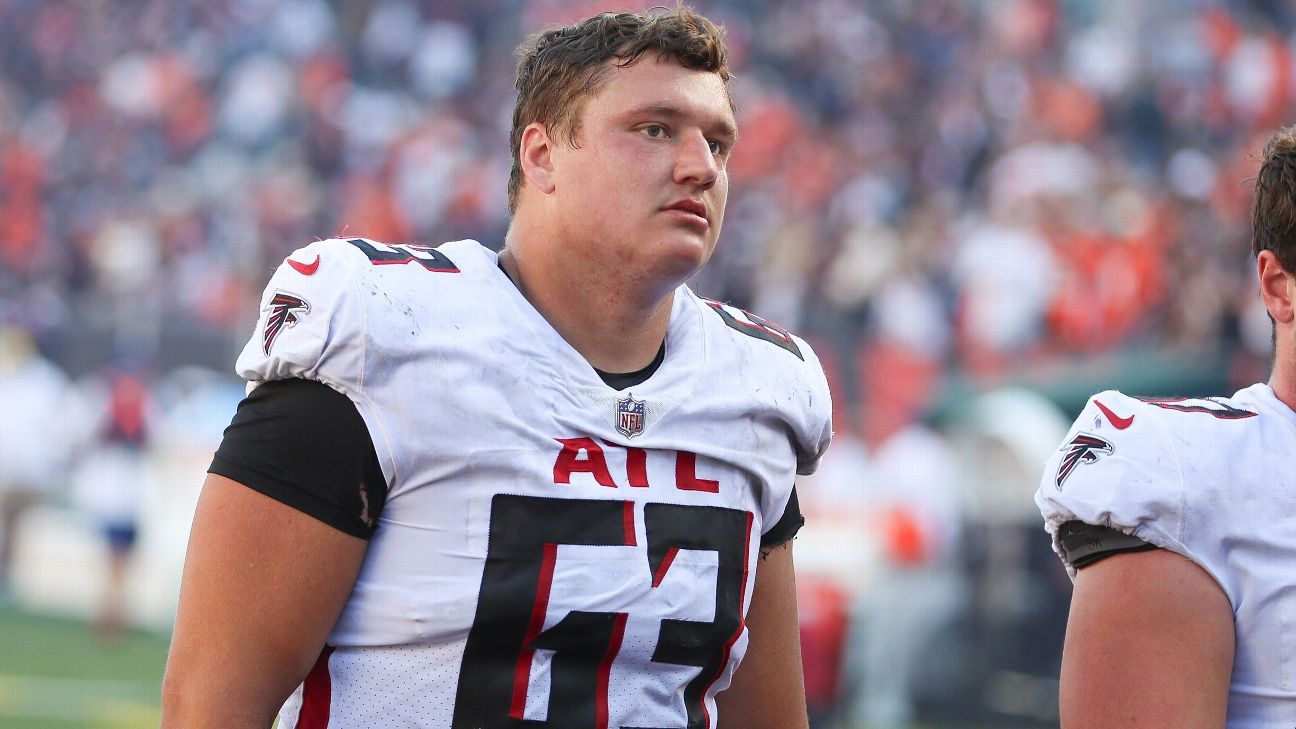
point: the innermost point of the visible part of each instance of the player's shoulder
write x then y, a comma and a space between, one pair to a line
743, 332
776, 367
1126, 451
365, 254
1149, 466
337, 273
330, 299
1194, 426
1181, 415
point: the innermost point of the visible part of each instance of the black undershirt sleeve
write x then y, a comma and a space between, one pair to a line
304, 444
788, 526
1084, 544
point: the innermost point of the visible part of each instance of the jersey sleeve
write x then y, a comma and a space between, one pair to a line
815, 432
312, 321
811, 429
786, 528
303, 444
1085, 544
1117, 468
313, 325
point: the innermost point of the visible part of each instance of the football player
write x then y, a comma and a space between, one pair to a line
549, 488
1174, 517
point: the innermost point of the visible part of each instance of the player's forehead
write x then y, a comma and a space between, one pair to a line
659, 85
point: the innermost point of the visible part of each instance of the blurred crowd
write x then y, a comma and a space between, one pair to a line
930, 191
975, 184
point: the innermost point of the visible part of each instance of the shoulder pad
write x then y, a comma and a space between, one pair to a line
1116, 468
795, 371
309, 314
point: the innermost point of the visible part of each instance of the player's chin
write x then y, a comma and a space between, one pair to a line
682, 253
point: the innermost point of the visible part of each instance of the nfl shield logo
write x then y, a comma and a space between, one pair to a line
630, 416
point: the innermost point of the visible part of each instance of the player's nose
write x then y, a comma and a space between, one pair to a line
695, 164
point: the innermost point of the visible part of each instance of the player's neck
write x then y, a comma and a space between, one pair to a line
1283, 379
612, 331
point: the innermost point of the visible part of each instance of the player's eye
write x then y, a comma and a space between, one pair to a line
655, 131
717, 147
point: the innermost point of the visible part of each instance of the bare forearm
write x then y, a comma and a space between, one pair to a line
189, 703
207, 687
768, 691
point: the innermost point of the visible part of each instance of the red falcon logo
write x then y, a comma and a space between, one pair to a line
1084, 448
284, 310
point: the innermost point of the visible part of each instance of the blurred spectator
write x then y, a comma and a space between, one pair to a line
110, 475
898, 627
1017, 604
38, 422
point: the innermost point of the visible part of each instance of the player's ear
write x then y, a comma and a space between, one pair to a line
535, 153
1277, 287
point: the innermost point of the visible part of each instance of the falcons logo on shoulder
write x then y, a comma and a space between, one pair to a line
1083, 448
285, 311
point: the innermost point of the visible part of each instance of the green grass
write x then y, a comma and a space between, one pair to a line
56, 674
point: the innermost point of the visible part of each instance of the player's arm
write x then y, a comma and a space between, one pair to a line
1149, 645
263, 585
276, 545
768, 689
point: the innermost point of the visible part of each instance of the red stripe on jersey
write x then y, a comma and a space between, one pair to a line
665, 565
605, 670
317, 694
522, 674
628, 516
742, 621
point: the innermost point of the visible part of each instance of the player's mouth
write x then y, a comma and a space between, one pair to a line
689, 211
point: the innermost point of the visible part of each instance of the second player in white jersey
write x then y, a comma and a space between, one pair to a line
1210, 479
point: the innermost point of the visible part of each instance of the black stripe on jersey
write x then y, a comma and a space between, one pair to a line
761, 329
1084, 544
1221, 409
402, 253
788, 526
304, 444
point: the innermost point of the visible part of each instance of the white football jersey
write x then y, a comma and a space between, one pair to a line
552, 552
1211, 479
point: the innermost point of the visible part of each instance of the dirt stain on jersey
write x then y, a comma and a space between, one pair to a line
364, 507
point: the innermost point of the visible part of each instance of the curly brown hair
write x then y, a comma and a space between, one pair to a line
560, 67
1273, 209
